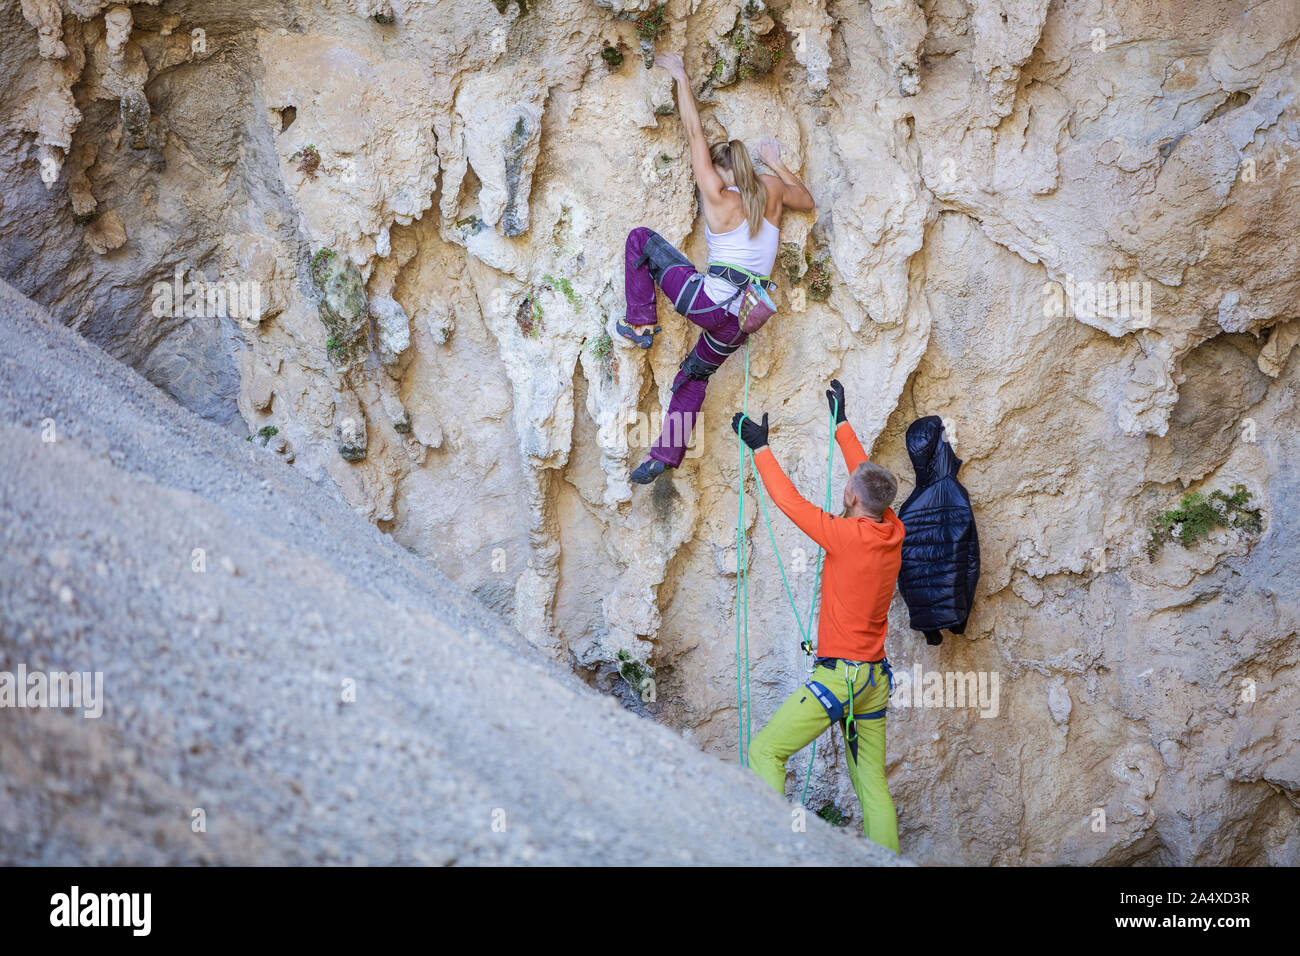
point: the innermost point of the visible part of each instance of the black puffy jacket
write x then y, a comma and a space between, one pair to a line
941, 551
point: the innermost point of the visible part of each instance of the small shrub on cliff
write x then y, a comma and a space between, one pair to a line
320, 266
612, 56
1197, 515
309, 161
818, 276
602, 348
833, 815
637, 674
266, 433
791, 259
529, 318
650, 23
745, 54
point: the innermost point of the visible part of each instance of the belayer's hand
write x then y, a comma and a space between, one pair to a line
751, 432
835, 398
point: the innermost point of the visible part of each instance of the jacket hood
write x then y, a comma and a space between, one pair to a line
932, 456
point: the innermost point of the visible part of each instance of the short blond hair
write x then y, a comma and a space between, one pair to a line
875, 486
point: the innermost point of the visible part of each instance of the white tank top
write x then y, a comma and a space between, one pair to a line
736, 248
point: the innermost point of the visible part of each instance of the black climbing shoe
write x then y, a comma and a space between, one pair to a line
648, 471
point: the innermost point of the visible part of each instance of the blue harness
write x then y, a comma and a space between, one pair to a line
835, 708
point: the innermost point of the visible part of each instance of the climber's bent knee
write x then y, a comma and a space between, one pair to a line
693, 367
660, 255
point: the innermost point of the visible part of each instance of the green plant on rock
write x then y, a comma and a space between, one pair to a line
818, 276
634, 671
602, 349
612, 56
790, 257
320, 264
833, 815
564, 287
1197, 514
744, 54
650, 23
469, 225
266, 433
665, 109
529, 318
308, 160
342, 306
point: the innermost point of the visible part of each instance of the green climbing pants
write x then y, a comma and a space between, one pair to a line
802, 719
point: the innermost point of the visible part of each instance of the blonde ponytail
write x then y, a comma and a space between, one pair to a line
753, 194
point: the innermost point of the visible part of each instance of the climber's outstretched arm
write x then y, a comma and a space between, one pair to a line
845, 437
794, 194
710, 183
810, 519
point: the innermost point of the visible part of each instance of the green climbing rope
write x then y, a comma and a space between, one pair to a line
742, 588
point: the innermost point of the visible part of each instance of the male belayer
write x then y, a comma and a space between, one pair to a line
851, 680
941, 555
742, 218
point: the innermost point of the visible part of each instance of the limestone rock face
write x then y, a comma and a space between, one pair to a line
1068, 231
279, 683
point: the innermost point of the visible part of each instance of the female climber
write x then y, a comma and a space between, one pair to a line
742, 218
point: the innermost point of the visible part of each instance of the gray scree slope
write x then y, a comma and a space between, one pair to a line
223, 689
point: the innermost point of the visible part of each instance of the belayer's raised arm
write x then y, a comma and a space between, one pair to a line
810, 519
845, 436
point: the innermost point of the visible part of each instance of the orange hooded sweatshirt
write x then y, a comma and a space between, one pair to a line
862, 560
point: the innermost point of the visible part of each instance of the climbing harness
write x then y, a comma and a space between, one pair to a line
756, 305
842, 712
742, 592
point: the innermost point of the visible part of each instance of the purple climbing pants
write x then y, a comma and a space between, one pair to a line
672, 271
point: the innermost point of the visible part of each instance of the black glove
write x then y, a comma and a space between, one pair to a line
835, 398
751, 432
